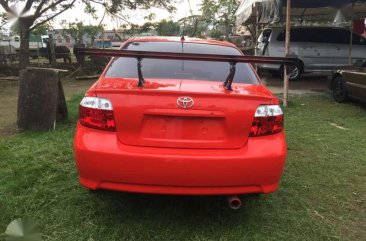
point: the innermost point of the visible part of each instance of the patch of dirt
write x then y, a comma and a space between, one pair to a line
9, 101
308, 84
354, 230
8, 107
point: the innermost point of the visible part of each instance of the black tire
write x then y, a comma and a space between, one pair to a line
295, 74
339, 90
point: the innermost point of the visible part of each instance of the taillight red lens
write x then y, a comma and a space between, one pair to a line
97, 113
268, 120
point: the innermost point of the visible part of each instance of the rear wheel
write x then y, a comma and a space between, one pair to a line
296, 72
339, 89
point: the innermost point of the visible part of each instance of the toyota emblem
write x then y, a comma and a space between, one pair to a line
185, 102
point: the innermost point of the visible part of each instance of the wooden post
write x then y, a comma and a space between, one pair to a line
38, 50
256, 34
287, 52
103, 38
52, 50
350, 44
79, 58
41, 99
351, 37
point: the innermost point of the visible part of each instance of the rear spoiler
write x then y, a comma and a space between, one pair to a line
232, 59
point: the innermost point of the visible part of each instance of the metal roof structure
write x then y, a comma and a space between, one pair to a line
271, 11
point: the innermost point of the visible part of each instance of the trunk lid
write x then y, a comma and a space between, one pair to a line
150, 116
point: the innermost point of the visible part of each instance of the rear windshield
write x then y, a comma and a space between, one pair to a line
180, 69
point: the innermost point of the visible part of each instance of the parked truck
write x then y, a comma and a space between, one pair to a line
35, 43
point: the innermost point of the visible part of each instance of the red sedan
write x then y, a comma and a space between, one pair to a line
178, 126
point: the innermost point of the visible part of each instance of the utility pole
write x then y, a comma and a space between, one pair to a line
256, 33
351, 37
287, 52
52, 50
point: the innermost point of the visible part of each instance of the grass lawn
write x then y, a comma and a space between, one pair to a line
322, 194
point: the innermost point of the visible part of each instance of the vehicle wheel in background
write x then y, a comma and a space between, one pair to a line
296, 72
339, 89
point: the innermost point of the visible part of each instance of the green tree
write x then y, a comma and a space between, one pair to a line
41, 29
194, 25
215, 34
92, 31
38, 12
33, 14
76, 30
167, 28
134, 29
221, 14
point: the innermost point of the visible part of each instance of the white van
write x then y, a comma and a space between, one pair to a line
319, 49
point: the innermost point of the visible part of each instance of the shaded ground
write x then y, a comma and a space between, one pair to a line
9, 94
310, 83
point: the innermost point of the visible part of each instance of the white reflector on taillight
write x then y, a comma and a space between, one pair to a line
97, 113
96, 103
268, 110
268, 120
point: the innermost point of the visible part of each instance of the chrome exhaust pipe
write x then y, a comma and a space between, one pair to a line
234, 202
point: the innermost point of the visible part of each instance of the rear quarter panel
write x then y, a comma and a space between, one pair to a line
356, 83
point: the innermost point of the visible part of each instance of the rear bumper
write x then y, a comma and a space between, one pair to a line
104, 163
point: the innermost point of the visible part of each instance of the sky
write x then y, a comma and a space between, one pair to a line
136, 17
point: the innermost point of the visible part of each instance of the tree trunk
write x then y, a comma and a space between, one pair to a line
92, 41
195, 27
52, 56
227, 29
24, 27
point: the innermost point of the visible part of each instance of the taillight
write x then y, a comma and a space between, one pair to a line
268, 120
97, 113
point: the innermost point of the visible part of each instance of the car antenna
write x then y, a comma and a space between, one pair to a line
182, 42
182, 39
184, 28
